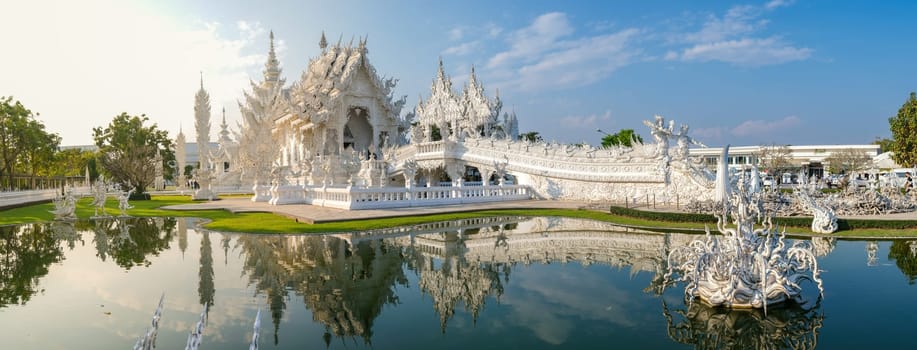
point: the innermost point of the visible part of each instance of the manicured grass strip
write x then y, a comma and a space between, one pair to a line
222, 220
801, 222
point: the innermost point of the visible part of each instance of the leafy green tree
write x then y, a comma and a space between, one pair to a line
904, 133
127, 150
25, 146
531, 136
74, 162
624, 137
885, 144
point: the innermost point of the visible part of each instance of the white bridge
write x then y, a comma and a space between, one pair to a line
510, 170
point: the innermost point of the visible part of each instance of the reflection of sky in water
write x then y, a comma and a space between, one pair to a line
87, 303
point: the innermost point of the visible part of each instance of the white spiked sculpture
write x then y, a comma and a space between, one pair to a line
722, 177
203, 175
745, 267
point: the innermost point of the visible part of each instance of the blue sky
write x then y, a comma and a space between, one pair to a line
742, 73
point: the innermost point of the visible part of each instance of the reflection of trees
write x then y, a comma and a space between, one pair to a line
787, 327
26, 252
129, 241
344, 286
905, 255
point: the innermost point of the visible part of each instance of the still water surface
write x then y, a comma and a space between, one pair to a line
493, 283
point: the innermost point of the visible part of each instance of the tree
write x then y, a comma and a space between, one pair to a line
624, 137
774, 159
531, 136
127, 149
885, 144
847, 160
25, 146
73, 162
904, 133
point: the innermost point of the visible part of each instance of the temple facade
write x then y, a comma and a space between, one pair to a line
337, 138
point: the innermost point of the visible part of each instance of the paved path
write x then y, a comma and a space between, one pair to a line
314, 214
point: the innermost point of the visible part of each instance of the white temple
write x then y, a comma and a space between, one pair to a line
337, 138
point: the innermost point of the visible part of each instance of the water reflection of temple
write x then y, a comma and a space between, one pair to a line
347, 279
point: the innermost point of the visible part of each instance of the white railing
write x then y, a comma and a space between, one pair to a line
15, 198
401, 197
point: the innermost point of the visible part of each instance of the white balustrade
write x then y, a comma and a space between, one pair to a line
397, 197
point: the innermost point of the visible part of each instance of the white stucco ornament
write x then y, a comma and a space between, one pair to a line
745, 267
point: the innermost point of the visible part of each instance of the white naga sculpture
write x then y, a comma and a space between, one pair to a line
823, 218
745, 267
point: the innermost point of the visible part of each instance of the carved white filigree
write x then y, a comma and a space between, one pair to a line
745, 267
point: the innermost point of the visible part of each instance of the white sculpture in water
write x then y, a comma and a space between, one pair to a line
745, 267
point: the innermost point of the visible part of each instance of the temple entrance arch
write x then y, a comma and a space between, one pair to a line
358, 132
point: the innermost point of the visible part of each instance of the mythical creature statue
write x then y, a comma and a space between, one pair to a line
823, 218
64, 206
745, 267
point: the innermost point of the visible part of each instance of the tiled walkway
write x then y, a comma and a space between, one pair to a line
315, 214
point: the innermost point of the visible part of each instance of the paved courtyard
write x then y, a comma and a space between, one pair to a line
315, 214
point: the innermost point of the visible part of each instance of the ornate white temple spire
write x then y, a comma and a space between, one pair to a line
323, 43
202, 127
272, 67
224, 130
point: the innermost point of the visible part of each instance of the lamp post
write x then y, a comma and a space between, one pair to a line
603, 138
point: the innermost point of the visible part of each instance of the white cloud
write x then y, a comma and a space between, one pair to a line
100, 58
758, 127
591, 121
738, 20
778, 3
747, 52
456, 33
463, 48
529, 42
704, 134
730, 38
541, 57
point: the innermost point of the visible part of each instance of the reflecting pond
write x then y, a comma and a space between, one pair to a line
487, 283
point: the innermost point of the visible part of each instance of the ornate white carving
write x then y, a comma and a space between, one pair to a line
823, 218
64, 206
745, 267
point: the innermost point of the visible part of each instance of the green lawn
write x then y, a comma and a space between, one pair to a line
221, 220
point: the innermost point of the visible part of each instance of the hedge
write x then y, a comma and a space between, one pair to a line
801, 221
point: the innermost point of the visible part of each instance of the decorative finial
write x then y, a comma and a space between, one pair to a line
272, 40
323, 43
272, 67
